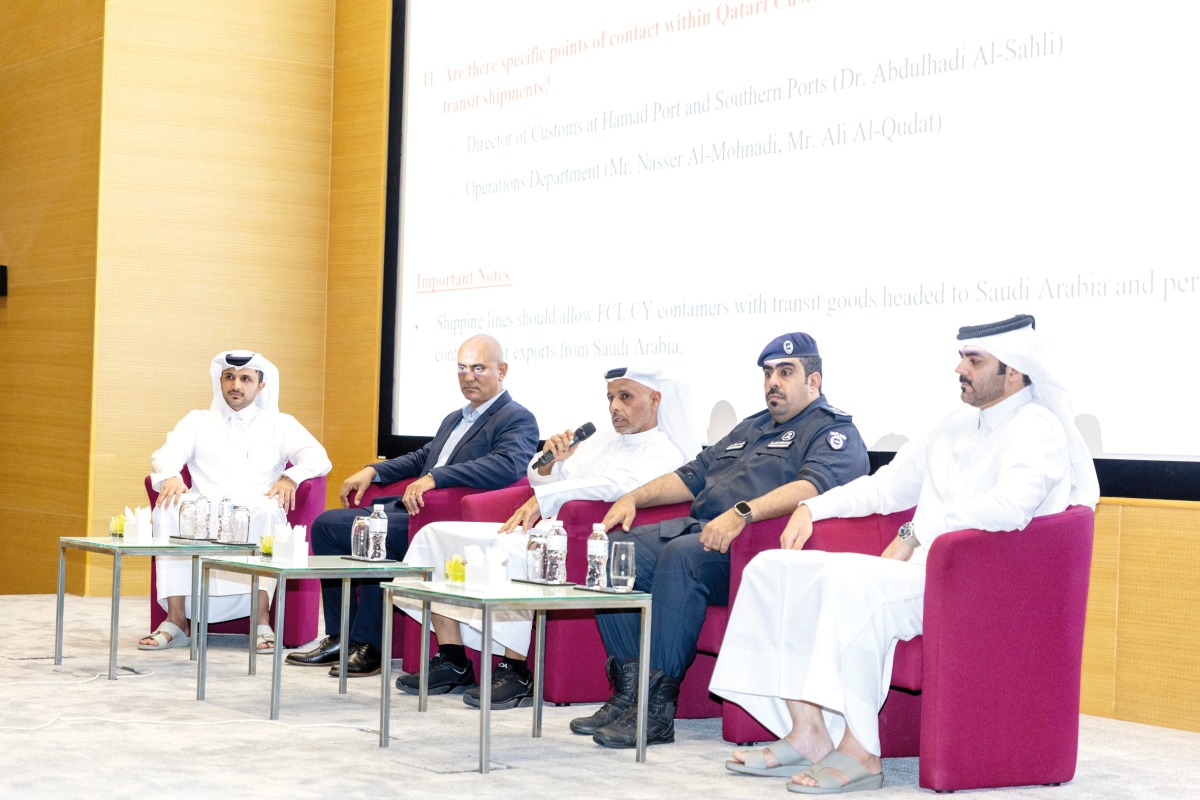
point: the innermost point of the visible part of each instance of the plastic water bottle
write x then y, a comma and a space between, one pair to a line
377, 530
203, 526
225, 520
535, 555
597, 558
556, 554
360, 537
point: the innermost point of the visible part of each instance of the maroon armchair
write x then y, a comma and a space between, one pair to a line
440, 505
989, 695
304, 596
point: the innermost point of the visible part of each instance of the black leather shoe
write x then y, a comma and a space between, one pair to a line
444, 677
623, 680
509, 689
324, 654
660, 717
363, 661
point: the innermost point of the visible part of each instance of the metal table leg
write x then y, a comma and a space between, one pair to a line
253, 654
195, 600
539, 678
643, 683
116, 614
485, 693
344, 650
280, 621
423, 672
280, 614
385, 671
200, 623
58, 624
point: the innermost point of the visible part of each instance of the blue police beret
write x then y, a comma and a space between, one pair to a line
789, 345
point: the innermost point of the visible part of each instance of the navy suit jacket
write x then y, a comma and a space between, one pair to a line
492, 454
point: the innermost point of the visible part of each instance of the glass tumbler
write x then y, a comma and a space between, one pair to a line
622, 566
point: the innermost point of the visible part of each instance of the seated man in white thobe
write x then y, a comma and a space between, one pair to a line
651, 433
811, 637
238, 447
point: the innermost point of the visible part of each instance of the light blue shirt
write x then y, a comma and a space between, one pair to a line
469, 415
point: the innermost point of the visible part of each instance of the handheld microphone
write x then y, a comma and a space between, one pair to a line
582, 432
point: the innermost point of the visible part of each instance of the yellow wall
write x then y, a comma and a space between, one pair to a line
214, 219
50, 115
1142, 639
357, 190
167, 170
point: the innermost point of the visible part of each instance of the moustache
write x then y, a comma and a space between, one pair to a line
964, 382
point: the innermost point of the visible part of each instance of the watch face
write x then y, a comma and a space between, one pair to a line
742, 507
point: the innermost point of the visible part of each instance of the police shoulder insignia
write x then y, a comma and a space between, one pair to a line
836, 439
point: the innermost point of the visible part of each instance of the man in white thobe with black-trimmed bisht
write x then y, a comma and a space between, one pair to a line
808, 651
652, 433
240, 448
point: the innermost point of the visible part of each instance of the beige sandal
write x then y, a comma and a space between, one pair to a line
265, 636
167, 636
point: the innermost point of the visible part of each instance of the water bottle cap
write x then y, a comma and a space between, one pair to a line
598, 527
378, 507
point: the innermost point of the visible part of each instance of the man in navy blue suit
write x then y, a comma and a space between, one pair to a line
485, 445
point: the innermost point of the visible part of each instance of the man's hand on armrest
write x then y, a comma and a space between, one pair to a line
524, 517
798, 529
172, 490
284, 492
356, 484
414, 493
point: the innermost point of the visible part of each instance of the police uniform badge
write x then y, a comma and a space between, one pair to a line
783, 441
836, 439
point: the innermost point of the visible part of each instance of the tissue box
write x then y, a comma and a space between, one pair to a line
483, 574
137, 534
292, 551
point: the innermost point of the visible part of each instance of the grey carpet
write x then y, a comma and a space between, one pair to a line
66, 733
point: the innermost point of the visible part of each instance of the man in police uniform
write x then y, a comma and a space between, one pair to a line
797, 448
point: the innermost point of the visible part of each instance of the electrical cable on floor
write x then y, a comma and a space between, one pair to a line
131, 674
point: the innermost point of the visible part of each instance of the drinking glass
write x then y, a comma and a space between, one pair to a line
622, 566
360, 538
187, 520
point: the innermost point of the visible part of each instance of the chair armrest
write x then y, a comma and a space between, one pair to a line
310, 501
869, 535
1006, 610
495, 506
394, 489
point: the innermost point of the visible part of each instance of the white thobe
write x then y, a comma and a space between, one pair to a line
823, 627
239, 455
604, 467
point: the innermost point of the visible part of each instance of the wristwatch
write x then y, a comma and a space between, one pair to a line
908, 535
744, 511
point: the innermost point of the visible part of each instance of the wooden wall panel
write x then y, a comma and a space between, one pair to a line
1158, 622
50, 80
357, 189
1098, 691
33, 29
214, 220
